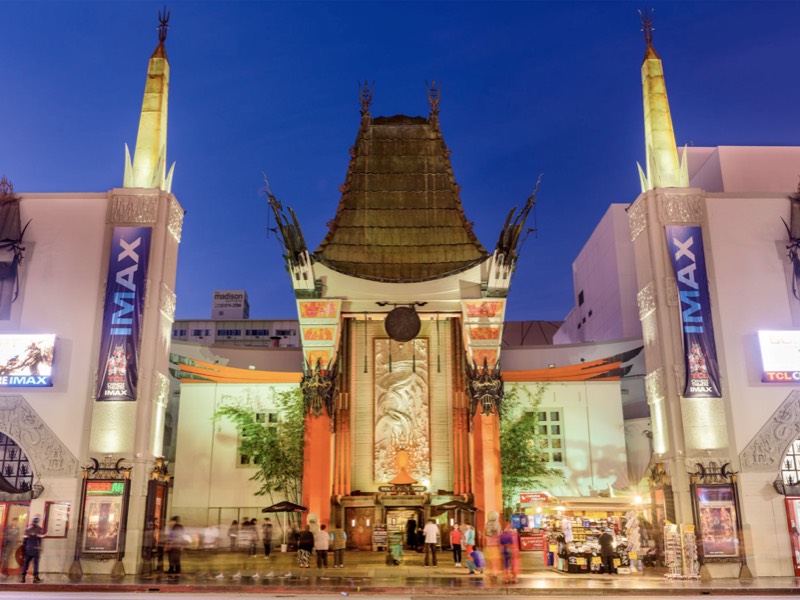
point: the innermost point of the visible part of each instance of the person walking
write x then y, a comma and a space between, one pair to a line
175, 543
32, 543
233, 535
266, 534
338, 544
492, 543
456, 538
509, 547
431, 536
468, 540
305, 546
10, 543
606, 542
322, 542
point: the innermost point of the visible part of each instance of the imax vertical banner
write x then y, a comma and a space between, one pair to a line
122, 314
699, 350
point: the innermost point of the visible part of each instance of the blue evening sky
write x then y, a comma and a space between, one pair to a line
527, 88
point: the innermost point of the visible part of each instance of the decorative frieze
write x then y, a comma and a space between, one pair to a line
175, 219
768, 447
649, 329
44, 450
134, 208
680, 208
167, 300
671, 287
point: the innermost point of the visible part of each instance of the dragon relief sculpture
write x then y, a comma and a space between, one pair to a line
485, 388
318, 386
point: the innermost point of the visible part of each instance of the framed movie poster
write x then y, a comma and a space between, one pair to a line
156, 513
717, 520
56, 519
105, 511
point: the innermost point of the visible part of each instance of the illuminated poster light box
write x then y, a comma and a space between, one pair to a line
780, 356
26, 360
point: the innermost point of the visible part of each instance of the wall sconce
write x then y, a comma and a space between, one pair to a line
353, 522
367, 521
452, 521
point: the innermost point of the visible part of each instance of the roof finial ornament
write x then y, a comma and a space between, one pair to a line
647, 25
163, 24
365, 90
434, 92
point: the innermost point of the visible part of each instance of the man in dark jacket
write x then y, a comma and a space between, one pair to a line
607, 551
32, 543
175, 543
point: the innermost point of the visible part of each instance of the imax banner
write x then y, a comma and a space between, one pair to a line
122, 313
699, 351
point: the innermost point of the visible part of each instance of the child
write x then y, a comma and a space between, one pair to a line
476, 562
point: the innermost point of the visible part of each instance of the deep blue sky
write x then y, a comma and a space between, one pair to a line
527, 88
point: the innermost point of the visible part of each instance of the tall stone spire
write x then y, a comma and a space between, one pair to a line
149, 168
664, 169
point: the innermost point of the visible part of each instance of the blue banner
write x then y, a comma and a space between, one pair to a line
685, 243
122, 313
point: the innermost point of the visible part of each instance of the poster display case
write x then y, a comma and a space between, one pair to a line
104, 516
717, 519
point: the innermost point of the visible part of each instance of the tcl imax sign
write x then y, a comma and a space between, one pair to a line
780, 356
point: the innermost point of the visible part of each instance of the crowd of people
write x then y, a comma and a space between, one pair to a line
314, 541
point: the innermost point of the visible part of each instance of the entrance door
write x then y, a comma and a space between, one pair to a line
793, 519
358, 527
13, 521
398, 523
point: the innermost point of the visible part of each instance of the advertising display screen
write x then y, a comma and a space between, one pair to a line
780, 356
26, 360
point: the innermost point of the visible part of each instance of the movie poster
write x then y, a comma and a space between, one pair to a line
122, 313
716, 509
685, 243
103, 513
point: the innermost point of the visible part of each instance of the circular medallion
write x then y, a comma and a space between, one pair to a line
402, 324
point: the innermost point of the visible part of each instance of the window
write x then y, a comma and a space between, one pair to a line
200, 332
580, 298
285, 332
551, 436
790, 467
256, 332
178, 333
229, 332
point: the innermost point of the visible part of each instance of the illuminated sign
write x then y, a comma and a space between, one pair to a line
26, 360
780, 356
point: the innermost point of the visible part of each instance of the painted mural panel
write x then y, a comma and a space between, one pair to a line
402, 410
479, 355
484, 333
317, 354
318, 309
484, 308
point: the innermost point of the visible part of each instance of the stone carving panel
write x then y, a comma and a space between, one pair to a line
637, 215
402, 409
654, 385
167, 300
50, 458
175, 219
680, 208
767, 448
671, 286
134, 208
161, 388
649, 329
646, 299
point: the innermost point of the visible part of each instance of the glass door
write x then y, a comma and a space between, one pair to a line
793, 521
13, 521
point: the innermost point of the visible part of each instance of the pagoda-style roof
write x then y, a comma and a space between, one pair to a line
400, 217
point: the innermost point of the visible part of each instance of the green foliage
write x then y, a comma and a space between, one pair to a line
521, 459
276, 449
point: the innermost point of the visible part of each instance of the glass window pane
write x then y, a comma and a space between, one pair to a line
542, 429
544, 443
554, 416
555, 429
556, 443
788, 463
557, 457
543, 416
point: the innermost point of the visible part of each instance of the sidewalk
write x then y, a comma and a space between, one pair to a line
366, 573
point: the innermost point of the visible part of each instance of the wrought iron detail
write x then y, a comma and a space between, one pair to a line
318, 386
107, 468
711, 472
484, 388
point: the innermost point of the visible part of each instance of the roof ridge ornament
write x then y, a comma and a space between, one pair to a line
647, 25
434, 95
365, 94
163, 24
